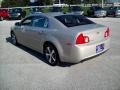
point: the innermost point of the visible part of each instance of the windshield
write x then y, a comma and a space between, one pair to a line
73, 20
56, 9
35, 9
3, 10
98, 8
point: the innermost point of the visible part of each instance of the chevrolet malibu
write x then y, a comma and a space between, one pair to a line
61, 37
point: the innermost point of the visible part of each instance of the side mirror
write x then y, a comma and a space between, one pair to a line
17, 23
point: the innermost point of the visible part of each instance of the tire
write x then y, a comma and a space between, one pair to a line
13, 39
51, 54
1, 18
20, 18
114, 15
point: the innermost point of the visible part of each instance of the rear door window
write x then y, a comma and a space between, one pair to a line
40, 22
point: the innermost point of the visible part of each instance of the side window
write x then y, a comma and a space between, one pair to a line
40, 22
27, 21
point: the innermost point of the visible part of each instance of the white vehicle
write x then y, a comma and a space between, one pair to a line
60, 5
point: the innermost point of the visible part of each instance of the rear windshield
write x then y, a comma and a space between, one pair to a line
76, 8
3, 10
16, 10
56, 9
73, 20
99, 8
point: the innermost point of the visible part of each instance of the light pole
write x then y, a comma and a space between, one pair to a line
59, 1
102, 3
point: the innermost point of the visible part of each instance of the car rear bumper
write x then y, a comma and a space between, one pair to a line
81, 52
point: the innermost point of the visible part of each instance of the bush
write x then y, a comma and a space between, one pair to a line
85, 9
27, 10
45, 10
65, 9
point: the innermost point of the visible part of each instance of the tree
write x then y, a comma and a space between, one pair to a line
72, 1
92, 1
46, 2
14, 3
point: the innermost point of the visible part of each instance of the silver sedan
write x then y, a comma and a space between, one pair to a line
61, 37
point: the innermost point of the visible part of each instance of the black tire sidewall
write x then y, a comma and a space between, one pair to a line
15, 39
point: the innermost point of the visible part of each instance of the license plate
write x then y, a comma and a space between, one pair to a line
99, 48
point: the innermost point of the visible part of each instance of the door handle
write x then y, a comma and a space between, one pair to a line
22, 29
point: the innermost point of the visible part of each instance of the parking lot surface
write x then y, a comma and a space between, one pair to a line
24, 69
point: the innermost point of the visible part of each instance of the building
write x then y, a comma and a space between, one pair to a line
113, 1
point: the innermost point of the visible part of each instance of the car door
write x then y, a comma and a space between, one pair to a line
25, 26
37, 32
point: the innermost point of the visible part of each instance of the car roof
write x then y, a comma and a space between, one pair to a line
52, 14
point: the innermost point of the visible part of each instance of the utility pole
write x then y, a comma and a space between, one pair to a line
59, 1
102, 3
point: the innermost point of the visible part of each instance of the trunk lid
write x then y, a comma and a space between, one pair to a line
95, 32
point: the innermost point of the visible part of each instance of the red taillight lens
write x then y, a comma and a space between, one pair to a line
107, 33
81, 39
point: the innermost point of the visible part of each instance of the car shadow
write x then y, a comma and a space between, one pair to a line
37, 54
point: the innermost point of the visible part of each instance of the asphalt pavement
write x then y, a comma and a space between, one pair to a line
24, 69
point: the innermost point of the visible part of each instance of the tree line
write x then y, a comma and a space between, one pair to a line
20, 3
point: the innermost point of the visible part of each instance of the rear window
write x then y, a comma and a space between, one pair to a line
98, 8
73, 20
16, 10
76, 8
3, 10
56, 9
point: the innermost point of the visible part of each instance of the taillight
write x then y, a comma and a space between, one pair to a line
81, 39
107, 33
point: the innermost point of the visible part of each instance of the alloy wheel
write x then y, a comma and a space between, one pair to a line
51, 55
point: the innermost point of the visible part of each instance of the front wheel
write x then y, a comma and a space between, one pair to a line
13, 39
51, 54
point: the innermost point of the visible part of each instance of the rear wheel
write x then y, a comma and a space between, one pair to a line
13, 39
114, 15
51, 54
